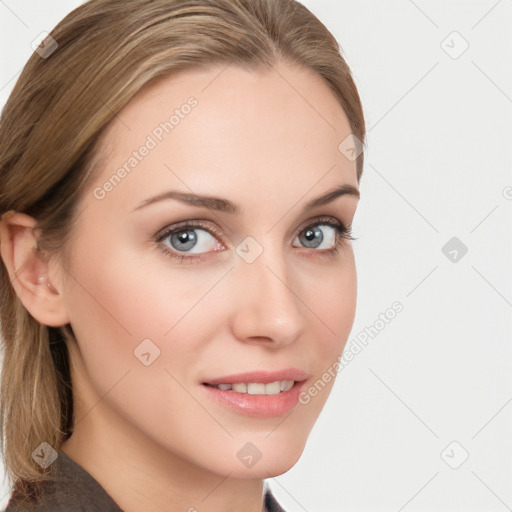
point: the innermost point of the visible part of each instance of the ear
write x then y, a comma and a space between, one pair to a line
28, 270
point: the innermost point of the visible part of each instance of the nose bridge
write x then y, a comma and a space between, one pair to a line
267, 304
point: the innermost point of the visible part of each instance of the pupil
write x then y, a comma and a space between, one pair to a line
186, 239
314, 236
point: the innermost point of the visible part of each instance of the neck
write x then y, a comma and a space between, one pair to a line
141, 476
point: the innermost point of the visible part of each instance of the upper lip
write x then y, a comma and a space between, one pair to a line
259, 376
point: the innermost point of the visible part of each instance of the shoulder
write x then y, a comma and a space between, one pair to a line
72, 489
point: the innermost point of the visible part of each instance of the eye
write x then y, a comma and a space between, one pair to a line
189, 238
315, 236
324, 235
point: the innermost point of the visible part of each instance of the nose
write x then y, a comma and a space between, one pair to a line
267, 306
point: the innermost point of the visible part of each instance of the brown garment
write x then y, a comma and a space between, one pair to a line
75, 490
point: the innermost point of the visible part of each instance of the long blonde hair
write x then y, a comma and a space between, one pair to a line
105, 52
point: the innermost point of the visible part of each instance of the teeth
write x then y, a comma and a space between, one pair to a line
286, 385
258, 388
273, 388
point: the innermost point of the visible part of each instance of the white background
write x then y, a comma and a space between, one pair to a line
438, 165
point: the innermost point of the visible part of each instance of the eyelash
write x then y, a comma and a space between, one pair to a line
343, 234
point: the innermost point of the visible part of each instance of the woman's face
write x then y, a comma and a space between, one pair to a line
196, 261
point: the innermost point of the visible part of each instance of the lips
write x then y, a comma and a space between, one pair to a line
259, 377
259, 393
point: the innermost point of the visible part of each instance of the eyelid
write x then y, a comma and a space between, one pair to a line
211, 228
190, 223
328, 220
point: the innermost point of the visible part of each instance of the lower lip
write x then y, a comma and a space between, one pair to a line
260, 406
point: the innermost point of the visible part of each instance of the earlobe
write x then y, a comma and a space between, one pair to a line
29, 270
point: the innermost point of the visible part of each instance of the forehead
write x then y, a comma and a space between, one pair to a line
228, 127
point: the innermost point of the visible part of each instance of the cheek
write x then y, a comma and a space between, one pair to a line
331, 314
333, 306
133, 295
127, 310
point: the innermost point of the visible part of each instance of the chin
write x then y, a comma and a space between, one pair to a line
276, 458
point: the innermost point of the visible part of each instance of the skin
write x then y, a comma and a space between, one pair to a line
149, 434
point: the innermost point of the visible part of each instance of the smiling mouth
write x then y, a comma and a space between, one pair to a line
256, 388
258, 394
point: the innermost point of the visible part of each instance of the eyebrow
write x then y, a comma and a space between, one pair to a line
226, 206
